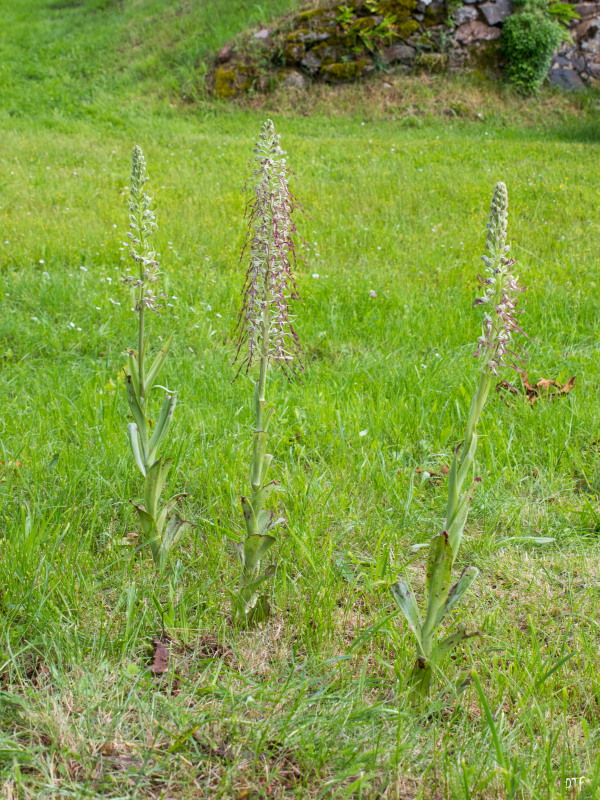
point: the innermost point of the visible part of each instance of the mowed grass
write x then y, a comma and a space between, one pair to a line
315, 703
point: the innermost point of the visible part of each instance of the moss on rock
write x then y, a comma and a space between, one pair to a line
406, 28
233, 80
345, 71
401, 9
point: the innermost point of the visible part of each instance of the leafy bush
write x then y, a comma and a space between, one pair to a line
529, 39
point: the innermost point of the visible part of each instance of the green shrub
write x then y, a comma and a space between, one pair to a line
529, 39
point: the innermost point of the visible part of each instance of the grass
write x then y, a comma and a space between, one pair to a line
314, 704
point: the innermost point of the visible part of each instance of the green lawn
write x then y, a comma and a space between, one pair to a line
311, 705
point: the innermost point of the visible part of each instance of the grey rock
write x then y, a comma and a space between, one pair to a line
225, 53
590, 40
594, 70
312, 61
465, 14
294, 79
561, 61
476, 31
566, 79
398, 54
587, 10
496, 11
311, 37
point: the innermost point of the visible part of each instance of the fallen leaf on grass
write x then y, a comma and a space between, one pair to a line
543, 388
160, 657
434, 477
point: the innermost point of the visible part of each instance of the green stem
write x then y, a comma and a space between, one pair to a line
141, 351
477, 405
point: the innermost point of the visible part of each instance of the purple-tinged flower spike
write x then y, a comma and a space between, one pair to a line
142, 224
266, 334
265, 325
501, 288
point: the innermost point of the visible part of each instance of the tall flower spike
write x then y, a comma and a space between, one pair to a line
162, 526
265, 324
501, 288
142, 224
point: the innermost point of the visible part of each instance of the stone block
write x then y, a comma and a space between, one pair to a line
476, 31
496, 12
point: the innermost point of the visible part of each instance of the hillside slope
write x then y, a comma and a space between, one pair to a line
74, 57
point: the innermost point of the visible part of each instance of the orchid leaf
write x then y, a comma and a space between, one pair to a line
173, 532
167, 508
136, 410
405, 598
263, 521
450, 642
456, 592
134, 371
162, 425
268, 458
156, 477
249, 516
255, 548
136, 446
438, 578
157, 364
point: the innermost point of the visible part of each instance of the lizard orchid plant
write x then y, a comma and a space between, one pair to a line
266, 337
495, 349
161, 526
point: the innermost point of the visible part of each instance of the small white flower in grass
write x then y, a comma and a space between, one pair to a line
372, 293
41, 261
83, 269
364, 433
114, 302
315, 275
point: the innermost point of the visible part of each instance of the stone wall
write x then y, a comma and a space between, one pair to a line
341, 42
577, 64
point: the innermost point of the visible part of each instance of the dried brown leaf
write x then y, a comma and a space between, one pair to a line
160, 657
544, 387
